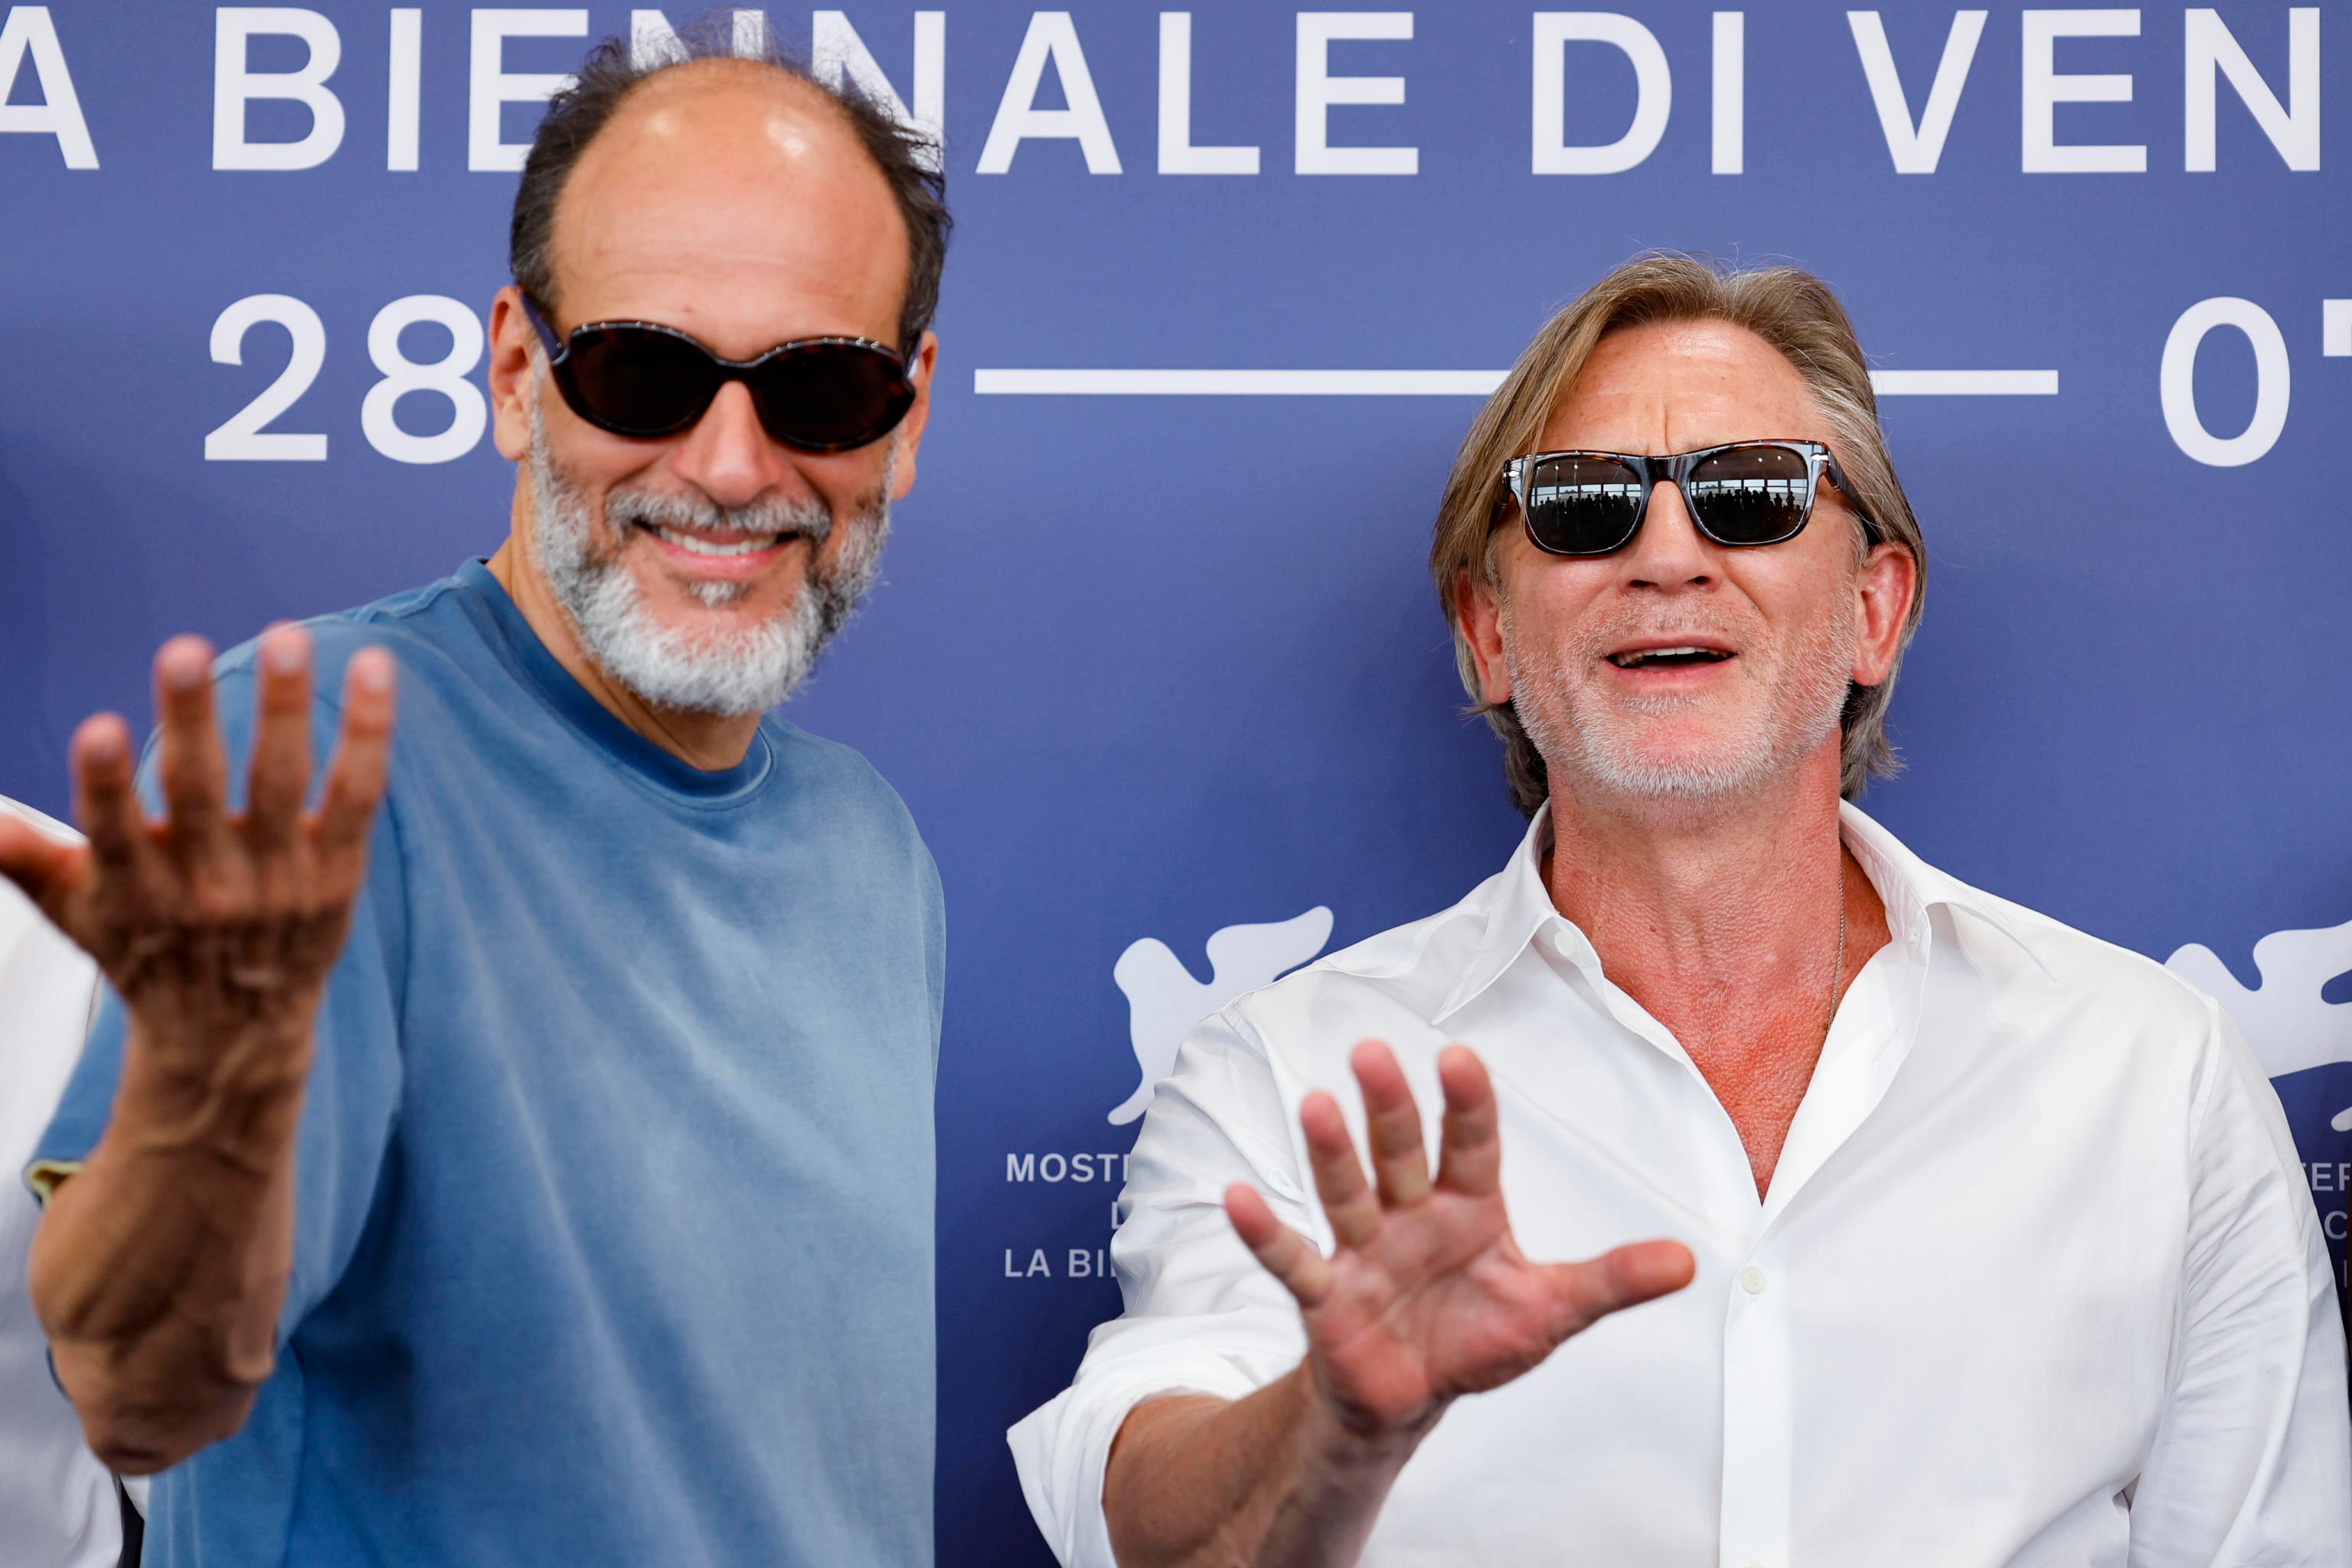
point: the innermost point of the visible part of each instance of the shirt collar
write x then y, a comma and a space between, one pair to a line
1911, 889
1519, 906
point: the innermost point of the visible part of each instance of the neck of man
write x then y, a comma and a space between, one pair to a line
711, 741
1721, 918
1726, 896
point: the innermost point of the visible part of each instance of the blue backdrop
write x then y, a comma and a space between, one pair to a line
1146, 667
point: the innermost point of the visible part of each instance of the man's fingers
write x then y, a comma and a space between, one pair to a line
355, 775
1348, 1200
49, 871
281, 744
1287, 1254
106, 802
1393, 1121
1470, 1149
1584, 1293
193, 777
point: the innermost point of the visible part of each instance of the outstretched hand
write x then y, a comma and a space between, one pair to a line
217, 927
1427, 1298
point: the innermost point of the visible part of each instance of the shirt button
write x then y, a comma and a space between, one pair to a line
1751, 1279
1563, 942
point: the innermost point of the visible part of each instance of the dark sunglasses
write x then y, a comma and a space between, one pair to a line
645, 380
1745, 493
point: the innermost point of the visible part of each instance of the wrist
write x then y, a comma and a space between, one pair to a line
183, 1064
233, 1091
1341, 1439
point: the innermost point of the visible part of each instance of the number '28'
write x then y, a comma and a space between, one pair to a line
246, 437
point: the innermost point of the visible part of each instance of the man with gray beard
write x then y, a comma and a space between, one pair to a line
1990, 1245
525, 1156
740, 670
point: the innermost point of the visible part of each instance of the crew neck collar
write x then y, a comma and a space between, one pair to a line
555, 685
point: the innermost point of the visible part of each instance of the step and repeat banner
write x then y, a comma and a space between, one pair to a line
1155, 662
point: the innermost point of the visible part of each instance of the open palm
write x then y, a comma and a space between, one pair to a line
217, 926
1426, 1296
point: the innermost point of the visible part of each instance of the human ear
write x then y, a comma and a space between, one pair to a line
910, 436
1884, 588
1478, 612
511, 369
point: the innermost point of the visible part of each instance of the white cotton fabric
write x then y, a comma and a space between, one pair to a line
2037, 1280
56, 1501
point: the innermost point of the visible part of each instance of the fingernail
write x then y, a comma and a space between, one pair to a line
373, 674
283, 655
106, 746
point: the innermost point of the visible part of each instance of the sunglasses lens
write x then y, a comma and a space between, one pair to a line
1751, 495
638, 382
830, 397
1583, 506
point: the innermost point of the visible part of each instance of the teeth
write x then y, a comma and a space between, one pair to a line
1648, 655
705, 547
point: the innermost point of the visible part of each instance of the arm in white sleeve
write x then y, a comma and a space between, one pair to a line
1201, 1316
2252, 1462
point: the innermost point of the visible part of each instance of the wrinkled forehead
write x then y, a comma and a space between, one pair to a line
1674, 386
736, 202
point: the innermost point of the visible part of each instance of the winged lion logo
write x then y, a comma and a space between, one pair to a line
2290, 1026
1163, 1000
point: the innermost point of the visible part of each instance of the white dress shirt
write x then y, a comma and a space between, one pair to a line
2037, 1280
56, 1501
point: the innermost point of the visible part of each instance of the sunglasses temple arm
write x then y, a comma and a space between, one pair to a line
1877, 535
556, 349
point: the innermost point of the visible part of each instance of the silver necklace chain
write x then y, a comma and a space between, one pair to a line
1837, 971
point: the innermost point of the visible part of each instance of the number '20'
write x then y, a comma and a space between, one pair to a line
246, 437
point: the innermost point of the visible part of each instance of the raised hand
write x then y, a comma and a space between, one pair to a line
158, 1272
217, 928
1427, 1297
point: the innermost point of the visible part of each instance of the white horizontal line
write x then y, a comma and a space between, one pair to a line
1240, 383
1426, 382
1964, 382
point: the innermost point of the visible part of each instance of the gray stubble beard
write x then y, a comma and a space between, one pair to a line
1601, 750
726, 671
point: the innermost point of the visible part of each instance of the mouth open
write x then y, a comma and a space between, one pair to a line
724, 547
721, 556
1681, 657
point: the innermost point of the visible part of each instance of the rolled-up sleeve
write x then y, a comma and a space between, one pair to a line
2249, 1466
1202, 1315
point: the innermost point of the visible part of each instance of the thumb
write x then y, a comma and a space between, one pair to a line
46, 867
1584, 1293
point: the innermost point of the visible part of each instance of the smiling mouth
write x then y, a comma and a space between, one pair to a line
698, 544
1667, 657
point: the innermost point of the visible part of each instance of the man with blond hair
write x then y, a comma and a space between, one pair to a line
1989, 1245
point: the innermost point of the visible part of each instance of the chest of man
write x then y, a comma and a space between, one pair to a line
1949, 1318
659, 1168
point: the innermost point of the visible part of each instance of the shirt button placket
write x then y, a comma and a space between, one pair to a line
1757, 1417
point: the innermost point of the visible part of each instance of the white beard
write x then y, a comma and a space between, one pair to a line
1602, 744
725, 669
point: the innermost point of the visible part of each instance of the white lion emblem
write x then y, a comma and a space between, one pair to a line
2290, 1026
1163, 1000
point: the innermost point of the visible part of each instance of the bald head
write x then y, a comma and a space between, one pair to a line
727, 195
746, 169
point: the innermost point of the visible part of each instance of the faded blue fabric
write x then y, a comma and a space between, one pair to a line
614, 1220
